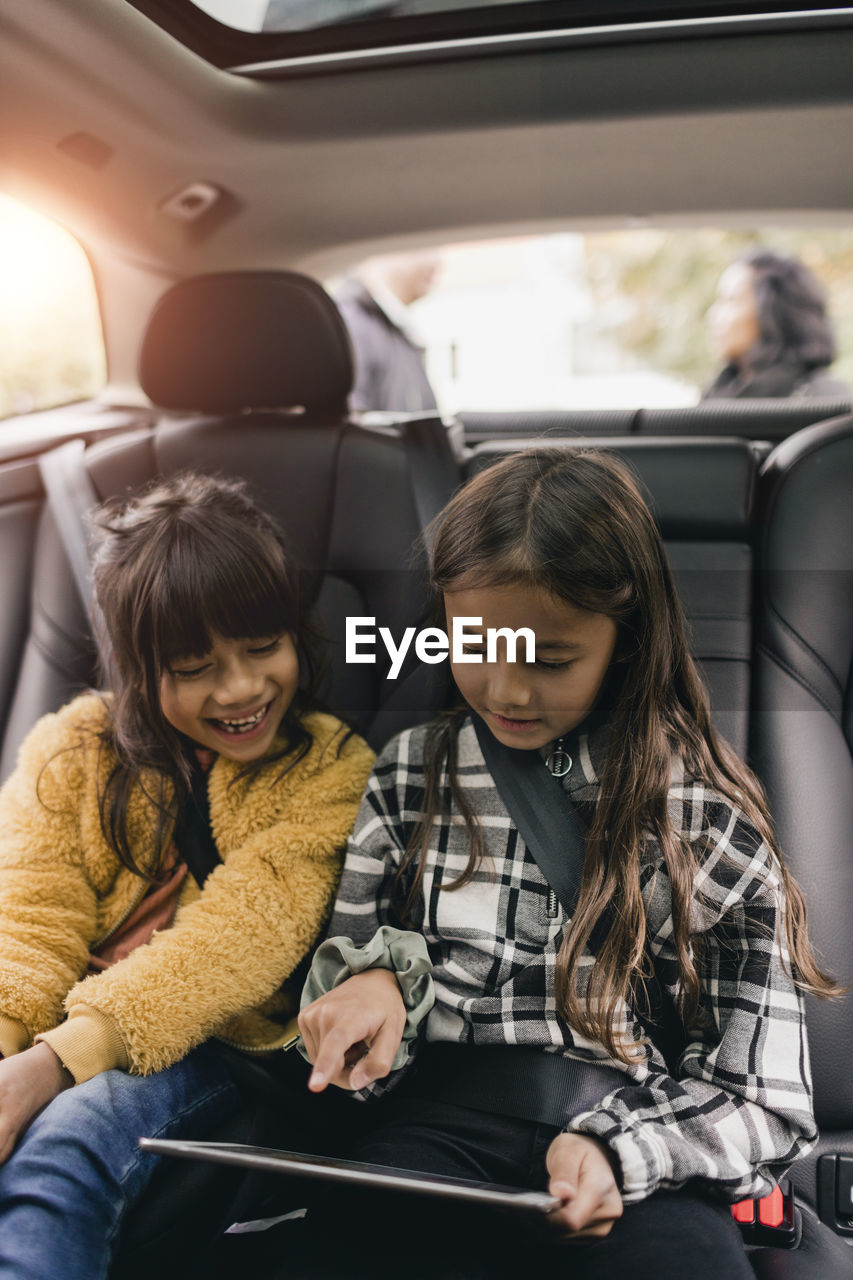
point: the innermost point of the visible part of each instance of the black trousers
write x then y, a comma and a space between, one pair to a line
176, 1231
365, 1235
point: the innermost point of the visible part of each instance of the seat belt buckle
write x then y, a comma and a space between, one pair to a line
771, 1221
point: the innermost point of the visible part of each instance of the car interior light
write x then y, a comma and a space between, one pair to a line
191, 202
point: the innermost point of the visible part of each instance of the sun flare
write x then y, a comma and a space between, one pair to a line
49, 321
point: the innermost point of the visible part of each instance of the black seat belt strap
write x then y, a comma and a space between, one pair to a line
433, 470
434, 475
547, 820
551, 828
71, 497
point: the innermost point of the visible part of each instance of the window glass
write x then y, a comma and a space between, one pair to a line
310, 15
307, 15
242, 15
50, 331
612, 319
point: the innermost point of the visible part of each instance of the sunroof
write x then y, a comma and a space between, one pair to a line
309, 15
254, 36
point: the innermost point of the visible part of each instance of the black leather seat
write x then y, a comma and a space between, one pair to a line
350, 498
778, 665
802, 747
771, 420
541, 423
251, 372
701, 491
766, 420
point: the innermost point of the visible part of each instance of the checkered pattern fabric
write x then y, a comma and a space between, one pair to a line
738, 1110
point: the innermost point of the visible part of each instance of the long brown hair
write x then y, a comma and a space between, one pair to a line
189, 558
574, 525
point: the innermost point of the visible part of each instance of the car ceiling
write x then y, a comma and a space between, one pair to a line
105, 116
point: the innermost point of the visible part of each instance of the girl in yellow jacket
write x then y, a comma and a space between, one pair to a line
122, 968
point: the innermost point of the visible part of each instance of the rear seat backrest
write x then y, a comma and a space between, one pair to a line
701, 492
802, 731
748, 419
292, 345
547, 422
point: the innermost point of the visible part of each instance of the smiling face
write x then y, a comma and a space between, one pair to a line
528, 705
232, 699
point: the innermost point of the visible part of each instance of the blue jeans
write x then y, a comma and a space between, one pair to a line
78, 1169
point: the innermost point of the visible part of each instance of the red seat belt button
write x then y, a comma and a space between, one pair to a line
744, 1211
771, 1210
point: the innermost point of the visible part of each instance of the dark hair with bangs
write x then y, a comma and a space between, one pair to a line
574, 525
189, 558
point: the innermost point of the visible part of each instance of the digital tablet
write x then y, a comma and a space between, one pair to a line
355, 1174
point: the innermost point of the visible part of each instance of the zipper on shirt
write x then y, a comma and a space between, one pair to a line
99, 942
257, 1048
140, 894
553, 910
260, 1048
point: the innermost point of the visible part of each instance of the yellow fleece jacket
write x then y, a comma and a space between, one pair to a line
220, 969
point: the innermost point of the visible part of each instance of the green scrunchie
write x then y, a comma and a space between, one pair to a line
400, 951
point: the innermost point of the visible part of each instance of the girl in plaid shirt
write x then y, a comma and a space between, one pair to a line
448, 933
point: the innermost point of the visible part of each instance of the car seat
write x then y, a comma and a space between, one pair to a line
251, 372
782, 696
802, 748
701, 492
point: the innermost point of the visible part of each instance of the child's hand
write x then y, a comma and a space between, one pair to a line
582, 1176
353, 1032
28, 1082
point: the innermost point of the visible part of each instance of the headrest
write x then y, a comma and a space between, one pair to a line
247, 340
699, 489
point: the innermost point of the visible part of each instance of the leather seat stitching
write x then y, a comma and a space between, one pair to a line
795, 675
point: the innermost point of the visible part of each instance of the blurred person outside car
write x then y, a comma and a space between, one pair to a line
770, 326
389, 357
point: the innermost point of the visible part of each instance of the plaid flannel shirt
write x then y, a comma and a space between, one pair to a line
738, 1110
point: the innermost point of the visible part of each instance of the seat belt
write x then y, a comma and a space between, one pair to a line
552, 830
433, 470
71, 497
549, 823
434, 475
551, 827
193, 836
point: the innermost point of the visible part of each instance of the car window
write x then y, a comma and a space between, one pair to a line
597, 320
274, 37
50, 329
387, 21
